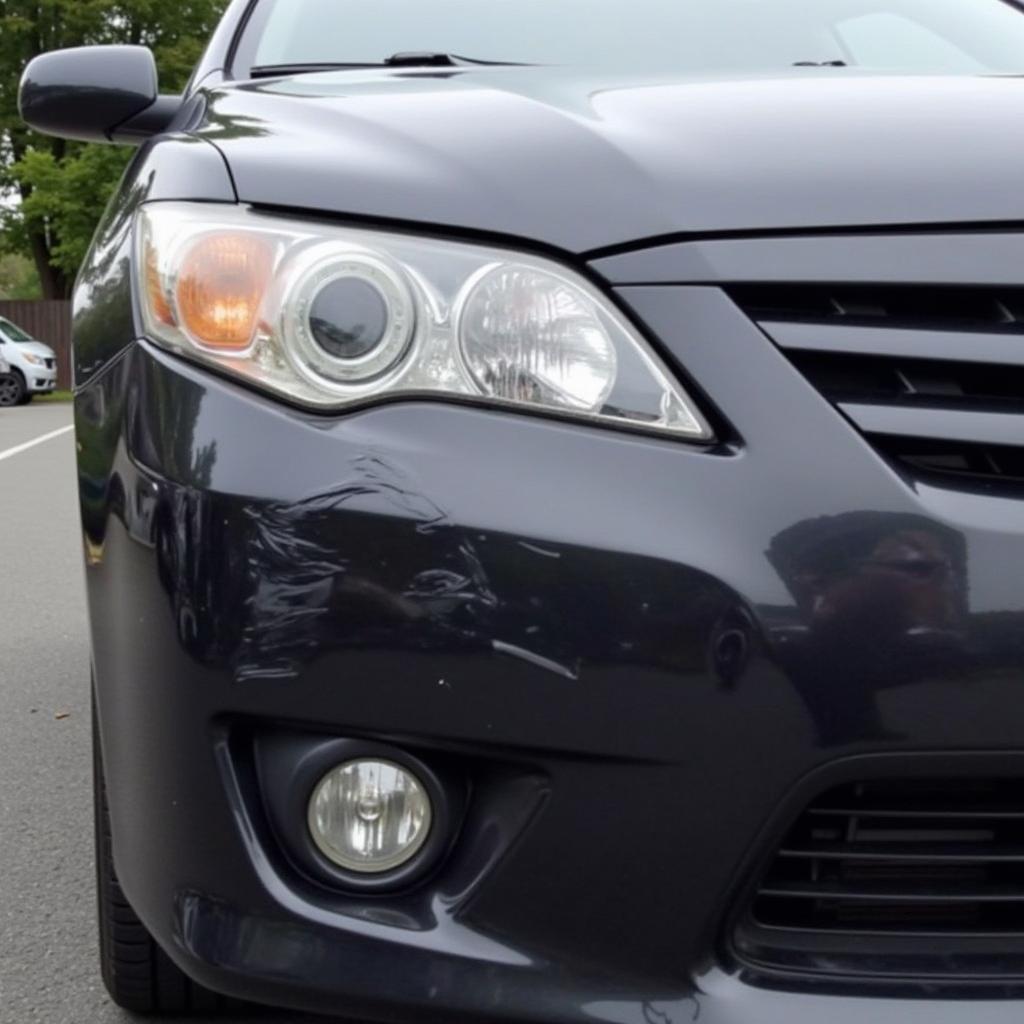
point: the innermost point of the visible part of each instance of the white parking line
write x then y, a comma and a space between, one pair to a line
11, 452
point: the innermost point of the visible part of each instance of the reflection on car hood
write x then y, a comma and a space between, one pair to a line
582, 164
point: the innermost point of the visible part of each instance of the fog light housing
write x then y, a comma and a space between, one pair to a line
370, 816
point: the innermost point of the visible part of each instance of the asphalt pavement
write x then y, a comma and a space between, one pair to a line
48, 969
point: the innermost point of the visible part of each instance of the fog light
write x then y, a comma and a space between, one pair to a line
370, 816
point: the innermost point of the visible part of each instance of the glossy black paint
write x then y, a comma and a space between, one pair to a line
932, 257
96, 94
611, 161
610, 644
608, 623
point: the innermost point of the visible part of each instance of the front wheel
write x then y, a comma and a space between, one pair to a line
12, 390
137, 973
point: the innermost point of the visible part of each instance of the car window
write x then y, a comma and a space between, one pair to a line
935, 36
15, 334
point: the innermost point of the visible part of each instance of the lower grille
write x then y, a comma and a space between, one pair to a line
933, 377
897, 879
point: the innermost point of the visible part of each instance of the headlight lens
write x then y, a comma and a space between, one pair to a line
334, 316
33, 360
528, 336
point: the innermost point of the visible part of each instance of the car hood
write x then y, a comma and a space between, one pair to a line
584, 163
35, 348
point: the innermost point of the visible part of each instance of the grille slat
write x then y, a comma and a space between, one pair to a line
916, 307
906, 812
899, 343
937, 424
933, 866
912, 851
894, 893
934, 377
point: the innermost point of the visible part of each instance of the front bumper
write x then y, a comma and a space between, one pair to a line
599, 629
40, 380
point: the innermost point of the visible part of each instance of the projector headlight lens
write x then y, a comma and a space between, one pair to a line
349, 319
370, 816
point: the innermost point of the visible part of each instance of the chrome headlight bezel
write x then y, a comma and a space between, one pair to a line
428, 284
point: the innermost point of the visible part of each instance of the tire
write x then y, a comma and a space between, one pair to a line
137, 973
12, 390
26, 395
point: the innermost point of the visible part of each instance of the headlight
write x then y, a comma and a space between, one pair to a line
334, 316
33, 360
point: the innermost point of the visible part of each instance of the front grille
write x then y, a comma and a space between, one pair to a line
50, 363
897, 879
933, 377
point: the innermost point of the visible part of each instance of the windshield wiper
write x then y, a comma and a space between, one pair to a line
821, 64
413, 59
426, 59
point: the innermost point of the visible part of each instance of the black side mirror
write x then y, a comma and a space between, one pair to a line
96, 94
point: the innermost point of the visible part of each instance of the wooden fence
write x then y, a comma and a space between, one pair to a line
49, 321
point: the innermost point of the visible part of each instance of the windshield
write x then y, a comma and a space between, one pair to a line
13, 333
924, 36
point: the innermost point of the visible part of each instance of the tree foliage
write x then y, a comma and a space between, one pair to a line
55, 191
17, 278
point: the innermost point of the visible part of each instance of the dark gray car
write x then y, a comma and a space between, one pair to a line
553, 486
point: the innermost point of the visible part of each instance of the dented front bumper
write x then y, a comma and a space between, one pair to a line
602, 633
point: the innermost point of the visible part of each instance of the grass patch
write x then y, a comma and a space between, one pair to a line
55, 396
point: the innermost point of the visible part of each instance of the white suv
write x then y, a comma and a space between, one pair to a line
33, 366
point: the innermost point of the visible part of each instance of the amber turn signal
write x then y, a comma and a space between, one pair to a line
220, 289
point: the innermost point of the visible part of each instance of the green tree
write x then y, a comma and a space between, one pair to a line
18, 278
55, 190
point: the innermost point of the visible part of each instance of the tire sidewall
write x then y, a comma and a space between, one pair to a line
18, 380
26, 395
